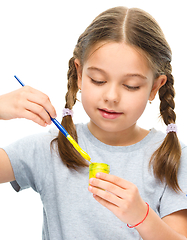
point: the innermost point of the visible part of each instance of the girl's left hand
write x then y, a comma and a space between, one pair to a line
120, 197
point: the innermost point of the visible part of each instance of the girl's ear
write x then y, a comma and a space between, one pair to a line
158, 83
79, 72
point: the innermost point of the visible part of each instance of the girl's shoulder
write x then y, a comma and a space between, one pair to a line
34, 142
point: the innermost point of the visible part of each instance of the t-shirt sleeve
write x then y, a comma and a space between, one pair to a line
30, 159
175, 201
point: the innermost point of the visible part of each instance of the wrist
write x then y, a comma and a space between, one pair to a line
137, 224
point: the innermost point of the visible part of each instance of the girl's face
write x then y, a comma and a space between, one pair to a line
116, 83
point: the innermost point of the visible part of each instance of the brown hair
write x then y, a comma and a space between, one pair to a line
138, 29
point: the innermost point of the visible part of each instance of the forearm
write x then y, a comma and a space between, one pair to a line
154, 228
123, 199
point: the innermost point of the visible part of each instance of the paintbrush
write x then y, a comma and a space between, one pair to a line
65, 133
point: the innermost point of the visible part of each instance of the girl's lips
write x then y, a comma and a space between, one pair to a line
109, 114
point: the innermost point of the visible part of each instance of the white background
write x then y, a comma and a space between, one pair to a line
37, 40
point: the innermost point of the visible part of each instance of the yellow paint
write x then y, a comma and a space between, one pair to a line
78, 148
94, 168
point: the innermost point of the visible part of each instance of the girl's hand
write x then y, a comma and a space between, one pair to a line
28, 103
120, 197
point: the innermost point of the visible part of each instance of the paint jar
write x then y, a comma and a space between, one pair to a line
94, 168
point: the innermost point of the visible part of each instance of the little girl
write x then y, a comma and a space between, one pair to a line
119, 63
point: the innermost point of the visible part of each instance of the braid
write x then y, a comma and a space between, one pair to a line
72, 85
166, 159
166, 95
68, 154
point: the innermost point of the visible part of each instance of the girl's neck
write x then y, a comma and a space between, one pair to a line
127, 137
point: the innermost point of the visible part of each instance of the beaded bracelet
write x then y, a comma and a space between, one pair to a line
142, 220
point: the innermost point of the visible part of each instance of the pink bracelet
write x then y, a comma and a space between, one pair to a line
142, 220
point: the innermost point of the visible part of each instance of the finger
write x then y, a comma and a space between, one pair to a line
35, 118
43, 100
107, 196
119, 186
120, 182
108, 186
112, 207
39, 111
108, 204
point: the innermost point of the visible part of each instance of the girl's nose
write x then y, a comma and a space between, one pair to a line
112, 95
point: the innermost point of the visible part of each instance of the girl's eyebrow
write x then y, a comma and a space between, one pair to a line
136, 75
97, 69
126, 75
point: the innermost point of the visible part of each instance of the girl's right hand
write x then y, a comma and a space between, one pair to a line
28, 103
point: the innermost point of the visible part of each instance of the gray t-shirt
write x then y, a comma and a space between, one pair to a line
69, 209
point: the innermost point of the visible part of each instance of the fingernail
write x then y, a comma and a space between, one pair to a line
90, 188
98, 175
91, 180
49, 122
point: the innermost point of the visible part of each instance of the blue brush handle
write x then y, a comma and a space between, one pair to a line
59, 126
22, 84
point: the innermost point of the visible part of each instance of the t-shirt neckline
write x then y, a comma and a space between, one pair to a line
130, 148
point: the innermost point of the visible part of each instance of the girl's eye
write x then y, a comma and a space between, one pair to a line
98, 82
131, 87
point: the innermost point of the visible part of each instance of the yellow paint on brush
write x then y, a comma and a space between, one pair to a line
78, 148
